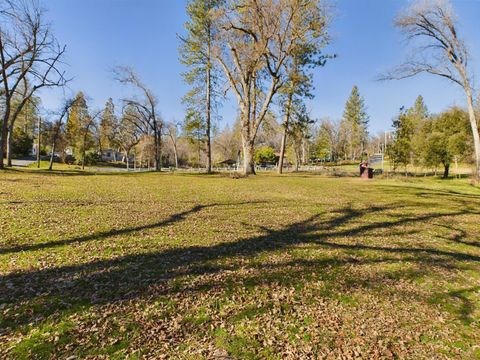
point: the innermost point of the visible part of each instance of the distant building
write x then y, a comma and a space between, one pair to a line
114, 155
229, 163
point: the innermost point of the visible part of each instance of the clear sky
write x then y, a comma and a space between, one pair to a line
100, 34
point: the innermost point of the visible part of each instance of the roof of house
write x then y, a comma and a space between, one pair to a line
227, 162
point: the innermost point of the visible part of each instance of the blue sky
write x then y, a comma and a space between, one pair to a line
100, 34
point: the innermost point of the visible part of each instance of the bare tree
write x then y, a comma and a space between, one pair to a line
146, 108
172, 133
228, 142
329, 136
129, 132
255, 42
30, 59
438, 50
57, 127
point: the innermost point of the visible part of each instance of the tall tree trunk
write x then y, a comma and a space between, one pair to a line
160, 164
157, 160
239, 159
84, 150
39, 124
304, 151
6, 111
175, 154
283, 145
9, 144
456, 167
83, 157
209, 110
199, 150
50, 166
476, 135
157, 145
446, 170
297, 158
248, 157
3, 140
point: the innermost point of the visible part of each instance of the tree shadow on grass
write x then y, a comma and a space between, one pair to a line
458, 303
76, 172
134, 276
458, 236
427, 191
114, 232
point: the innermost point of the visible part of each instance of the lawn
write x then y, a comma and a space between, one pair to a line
184, 266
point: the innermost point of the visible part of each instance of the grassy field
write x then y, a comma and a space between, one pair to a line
194, 266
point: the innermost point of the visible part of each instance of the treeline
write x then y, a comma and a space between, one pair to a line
263, 53
83, 136
78, 134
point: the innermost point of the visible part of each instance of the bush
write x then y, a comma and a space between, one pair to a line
92, 158
265, 154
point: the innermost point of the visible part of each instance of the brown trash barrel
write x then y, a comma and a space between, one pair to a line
370, 173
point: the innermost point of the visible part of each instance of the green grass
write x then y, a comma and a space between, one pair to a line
194, 266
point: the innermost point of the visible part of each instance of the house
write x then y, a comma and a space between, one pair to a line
229, 163
111, 155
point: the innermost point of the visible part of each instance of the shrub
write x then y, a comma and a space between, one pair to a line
265, 154
92, 158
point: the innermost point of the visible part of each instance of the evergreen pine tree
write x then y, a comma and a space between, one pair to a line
78, 130
193, 130
196, 54
419, 115
401, 149
419, 110
355, 122
108, 125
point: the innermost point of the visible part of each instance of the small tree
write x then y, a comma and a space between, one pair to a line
446, 139
327, 141
193, 132
401, 149
265, 154
418, 114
